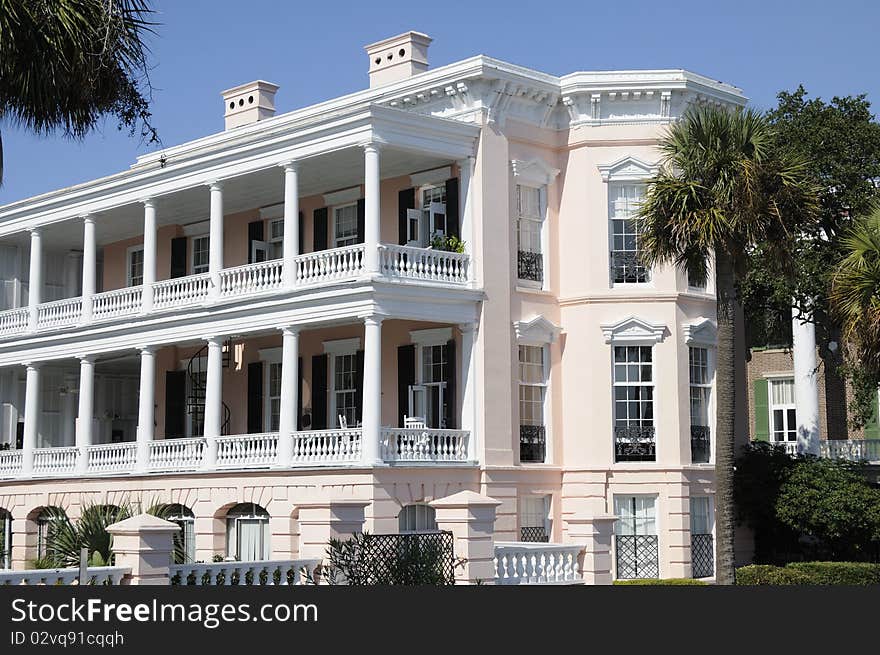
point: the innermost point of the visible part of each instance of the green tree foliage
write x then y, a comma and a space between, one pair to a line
89, 531
65, 64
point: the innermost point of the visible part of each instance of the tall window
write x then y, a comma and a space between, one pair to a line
534, 518
626, 266
429, 394
276, 239
345, 388
532, 392
200, 252
185, 540
417, 518
702, 546
700, 389
783, 419
636, 537
135, 267
274, 387
47, 522
633, 403
345, 230
529, 226
247, 533
5, 539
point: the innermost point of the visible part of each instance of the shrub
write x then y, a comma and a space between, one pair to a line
674, 582
449, 244
810, 573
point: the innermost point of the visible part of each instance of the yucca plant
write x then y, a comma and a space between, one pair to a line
88, 531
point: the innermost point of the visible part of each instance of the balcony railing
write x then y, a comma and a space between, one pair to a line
627, 267
520, 563
530, 266
347, 263
424, 445
634, 443
852, 450
700, 440
532, 443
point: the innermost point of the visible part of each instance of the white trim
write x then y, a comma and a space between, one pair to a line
272, 211
435, 176
270, 355
778, 375
536, 332
627, 169
432, 337
200, 228
128, 252
701, 332
533, 172
343, 196
192, 252
342, 346
633, 330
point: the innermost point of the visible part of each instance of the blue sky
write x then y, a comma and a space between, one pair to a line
314, 50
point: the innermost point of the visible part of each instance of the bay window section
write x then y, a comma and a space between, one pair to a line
634, 404
529, 232
532, 393
700, 391
626, 264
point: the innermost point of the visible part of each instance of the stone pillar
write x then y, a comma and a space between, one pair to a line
372, 211
289, 398
31, 417
149, 255
466, 172
595, 534
213, 399
321, 521
146, 403
371, 431
35, 277
291, 243
806, 386
215, 237
89, 269
471, 519
144, 543
86, 411
468, 384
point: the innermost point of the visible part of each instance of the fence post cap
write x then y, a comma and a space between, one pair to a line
142, 523
465, 499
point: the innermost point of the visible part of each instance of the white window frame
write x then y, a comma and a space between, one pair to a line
334, 349
268, 356
658, 527
545, 513
542, 230
277, 242
710, 508
422, 339
427, 227
611, 187
336, 239
785, 409
233, 530
545, 405
192, 254
128, 256
426, 509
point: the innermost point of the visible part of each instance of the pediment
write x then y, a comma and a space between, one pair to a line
627, 169
533, 171
633, 330
538, 330
702, 332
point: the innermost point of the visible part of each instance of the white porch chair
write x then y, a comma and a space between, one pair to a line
413, 422
343, 422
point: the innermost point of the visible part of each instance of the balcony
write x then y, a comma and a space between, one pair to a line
700, 444
634, 443
852, 450
532, 443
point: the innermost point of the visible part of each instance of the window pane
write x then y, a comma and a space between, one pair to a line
700, 515
345, 229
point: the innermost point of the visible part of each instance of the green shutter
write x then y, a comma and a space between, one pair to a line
762, 410
872, 427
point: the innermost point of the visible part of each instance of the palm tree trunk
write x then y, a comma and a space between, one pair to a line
724, 420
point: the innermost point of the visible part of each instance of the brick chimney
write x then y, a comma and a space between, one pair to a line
398, 58
249, 103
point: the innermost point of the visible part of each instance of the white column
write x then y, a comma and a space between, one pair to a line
372, 400
291, 222
31, 417
466, 205
146, 403
806, 387
468, 384
289, 398
215, 261
213, 399
35, 278
89, 271
86, 410
149, 255
68, 412
371, 208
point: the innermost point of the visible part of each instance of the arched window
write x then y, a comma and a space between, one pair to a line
46, 520
5, 539
185, 540
417, 518
247, 533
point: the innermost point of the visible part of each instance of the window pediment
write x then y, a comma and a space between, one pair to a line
628, 169
700, 332
536, 331
535, 172
633, 330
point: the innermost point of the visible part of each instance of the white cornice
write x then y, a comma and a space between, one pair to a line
633, 330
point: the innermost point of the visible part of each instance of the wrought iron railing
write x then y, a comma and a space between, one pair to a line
530, 266
700, 449
634, 443
536, 534
627, 267
532, 443
637, 556
702, 556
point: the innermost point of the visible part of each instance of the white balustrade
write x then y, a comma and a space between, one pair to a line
536, 563
13, 321
10, 463
247, 450
181, 291
252, 278
853, 450
270, 573
423, 264
97, 575
120, 302
55, 461
59, 313
424, 445
111, 458
177, 454
317, 447
334, 264
790, 447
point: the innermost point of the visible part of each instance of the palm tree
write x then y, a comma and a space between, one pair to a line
64, 64
89, 531
719, 192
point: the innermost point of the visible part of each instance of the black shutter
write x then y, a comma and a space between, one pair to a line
362, 218
175, 404
299, 395
255, 397
452, 221
406, 375
302, 234
451, 396
359, 385
406, 199
178, 257
319, 392
255, 233
319, 237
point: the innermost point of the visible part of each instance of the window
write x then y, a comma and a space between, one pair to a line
702, 546
5, 539
532, 392
534, 518
636, 537
274, 396
428, 396
345, 229
247, 533
345, 388
783, 418
185, 540
417, 518
200, 252
626, 266
633, 403
136, 266
700, 390
275, 248
529, 231
46, 522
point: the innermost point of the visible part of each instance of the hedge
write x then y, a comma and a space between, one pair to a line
810, 573
655, 581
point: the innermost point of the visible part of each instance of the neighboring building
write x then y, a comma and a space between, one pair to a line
264, 321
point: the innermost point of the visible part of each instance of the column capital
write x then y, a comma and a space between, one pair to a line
148, 349
148, 203
86, 358
88, 219
372, 146
35, 231
468, 162
213, 340
373, 319
291, 166
468, 327
35, 366
215, 185
293, 330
